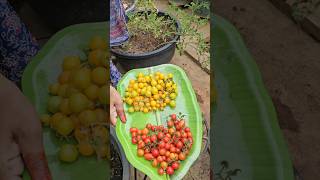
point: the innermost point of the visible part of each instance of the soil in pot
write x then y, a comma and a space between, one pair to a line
143, 40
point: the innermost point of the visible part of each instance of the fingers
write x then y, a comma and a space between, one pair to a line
120, 111
113, 115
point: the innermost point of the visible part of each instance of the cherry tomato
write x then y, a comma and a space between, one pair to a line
148, 156
170, 123
143, 137
153, 138
179, 144
160, 171
147, 151
171, 131
189, 134
133, 130
173, 117
160, 135
147, 140
148, 126
164, 164
145, 131
168, 135
167, 146
159, 159
160, 127
168, 154
155, 153
139, 132
141, 144
155, 163
178, 150
169, 170
172, 156
184, 134
175, 165
178, 134
166, 139
182, 156
138, 137
187, 129
140, 152
134, 140
162, 151
172, 149
161, 144
181, 124
134, 134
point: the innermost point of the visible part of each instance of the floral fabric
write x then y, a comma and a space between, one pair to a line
17, 45
118, 27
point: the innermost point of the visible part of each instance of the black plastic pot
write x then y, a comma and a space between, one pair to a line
159, 56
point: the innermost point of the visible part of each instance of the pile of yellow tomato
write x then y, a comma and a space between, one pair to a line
151, 92
77, 104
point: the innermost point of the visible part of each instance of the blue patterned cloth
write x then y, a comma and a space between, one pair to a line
118, 27
115, 75
17, 45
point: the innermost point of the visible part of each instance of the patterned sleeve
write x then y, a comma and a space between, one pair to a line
17, 45
115, 75
118, 26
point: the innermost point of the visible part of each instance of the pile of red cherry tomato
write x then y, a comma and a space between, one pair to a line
165, 147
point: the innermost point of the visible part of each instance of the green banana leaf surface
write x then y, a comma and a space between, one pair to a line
186, 103
44, 70
245, 132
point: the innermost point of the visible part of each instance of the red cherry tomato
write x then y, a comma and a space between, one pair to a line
147, 140
162, 151
179, 144
173, 117
187, 129
169, 170
134, 140
148, 156
166, 139
160, 171
170, 123
155, 152
143, 137
160, 135
148, 126
184, 134
175, 165
153, 138
189, 134
172, 149
168, 154
133, 129
134, 134
161, 144
167, 146
159, 159
141, 144
139, 132
178, 134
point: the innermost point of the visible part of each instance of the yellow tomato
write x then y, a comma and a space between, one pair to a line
64, 107
99, 75
97, 57
68, 153
78, 102
54, 103
81, 78
92, 91
85, 149
53, 88
98, 42
70, 63
87, 117
65, 126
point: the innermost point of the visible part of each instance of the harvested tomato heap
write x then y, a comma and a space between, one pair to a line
165, 147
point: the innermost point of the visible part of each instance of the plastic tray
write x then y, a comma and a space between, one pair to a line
42, 71
186, 103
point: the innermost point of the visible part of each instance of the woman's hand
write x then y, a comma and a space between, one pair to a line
116, 107
20, 134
